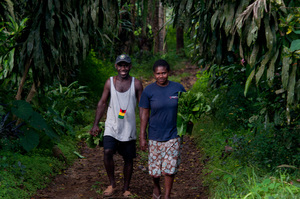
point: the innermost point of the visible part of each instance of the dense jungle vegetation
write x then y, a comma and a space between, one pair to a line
55, 56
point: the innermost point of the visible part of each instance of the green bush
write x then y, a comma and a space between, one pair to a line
94, 73
21, 175
227, 175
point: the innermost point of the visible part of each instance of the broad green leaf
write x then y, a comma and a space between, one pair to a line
29, 140
286, 61
291, 86
253, 55
261, 69
295, 45
229, 13
38, 122
11, 59
297, 90
271, 69
268, 32
78, 154
248, 82
231, 41
22, 109
214, 18
252, 33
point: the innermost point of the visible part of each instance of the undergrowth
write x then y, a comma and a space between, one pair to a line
22, 174
244, 156
228, 177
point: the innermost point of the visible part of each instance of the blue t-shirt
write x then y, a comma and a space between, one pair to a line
163, 105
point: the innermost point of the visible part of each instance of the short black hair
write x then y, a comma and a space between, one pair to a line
161, 62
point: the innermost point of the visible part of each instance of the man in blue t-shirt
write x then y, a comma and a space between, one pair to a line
159, 104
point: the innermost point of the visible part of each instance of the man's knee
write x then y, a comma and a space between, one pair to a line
108, 153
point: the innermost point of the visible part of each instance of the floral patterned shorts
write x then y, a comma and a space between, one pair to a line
164, 157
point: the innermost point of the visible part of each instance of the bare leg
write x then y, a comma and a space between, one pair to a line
128, 169
110, 166
169, 179
156, 188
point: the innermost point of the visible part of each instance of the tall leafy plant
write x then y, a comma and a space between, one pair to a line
57, 38
32, 128
261, 34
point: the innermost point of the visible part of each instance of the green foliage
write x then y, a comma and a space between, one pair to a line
191, 106
9, 33
143, 67
261, 37
57, 37
21, 175
94, 73
43, 125
34, 126
266, 147
65, 105
92, 141
228, 176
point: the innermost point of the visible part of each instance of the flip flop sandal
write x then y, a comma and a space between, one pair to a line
156, 197
109, 191
127, 194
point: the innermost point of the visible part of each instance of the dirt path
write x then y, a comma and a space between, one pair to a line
86, 178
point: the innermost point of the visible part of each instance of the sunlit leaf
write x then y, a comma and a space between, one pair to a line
295, 45
253, 55
271, 69
261, 69
248, 82
268, 33
286, 61
291, 86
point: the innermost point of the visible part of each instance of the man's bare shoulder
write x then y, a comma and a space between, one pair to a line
107, 84
138, 83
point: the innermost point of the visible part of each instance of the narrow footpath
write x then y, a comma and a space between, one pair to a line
87, 178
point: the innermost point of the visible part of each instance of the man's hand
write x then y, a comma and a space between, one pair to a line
95, 131
143, 144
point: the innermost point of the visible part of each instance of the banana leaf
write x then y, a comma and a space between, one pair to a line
191, 106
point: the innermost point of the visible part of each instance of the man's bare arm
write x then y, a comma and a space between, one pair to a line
101, 107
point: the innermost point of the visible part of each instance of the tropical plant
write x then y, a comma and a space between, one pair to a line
191, 106
56, 40
261, 35
90, 140
30, 132
9, 33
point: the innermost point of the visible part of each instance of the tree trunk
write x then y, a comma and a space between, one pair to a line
158, 28
131, 34
32, 93
21, 85
162, 28
179, 40
155, 27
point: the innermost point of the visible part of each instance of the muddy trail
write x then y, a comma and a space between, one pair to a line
87, 178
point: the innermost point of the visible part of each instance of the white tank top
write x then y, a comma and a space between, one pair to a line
120, 125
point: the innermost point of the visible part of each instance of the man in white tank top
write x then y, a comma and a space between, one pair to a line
122, 92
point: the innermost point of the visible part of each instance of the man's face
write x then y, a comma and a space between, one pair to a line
123, 68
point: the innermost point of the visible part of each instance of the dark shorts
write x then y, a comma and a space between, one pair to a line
125, 149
